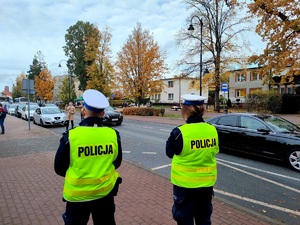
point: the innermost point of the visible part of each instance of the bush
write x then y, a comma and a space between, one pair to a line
263, 101
138, 111
116, 103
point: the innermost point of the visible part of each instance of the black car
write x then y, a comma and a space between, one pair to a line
259, 134
112, 116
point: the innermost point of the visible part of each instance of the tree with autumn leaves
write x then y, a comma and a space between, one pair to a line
17, 88
100, 70
221, 28
140, 65
279, 26
44, 84
89, 55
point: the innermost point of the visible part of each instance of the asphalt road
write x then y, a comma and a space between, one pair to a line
265, 186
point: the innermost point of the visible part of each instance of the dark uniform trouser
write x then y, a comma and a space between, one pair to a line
192, 204
102, 210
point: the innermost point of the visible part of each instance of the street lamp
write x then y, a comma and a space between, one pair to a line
191, 28
69, 80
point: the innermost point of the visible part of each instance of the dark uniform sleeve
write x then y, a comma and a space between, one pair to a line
118, 160
62, 157
174, 144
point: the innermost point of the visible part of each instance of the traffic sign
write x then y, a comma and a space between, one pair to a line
224, 86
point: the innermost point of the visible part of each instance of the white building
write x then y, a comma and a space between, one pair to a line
173, 88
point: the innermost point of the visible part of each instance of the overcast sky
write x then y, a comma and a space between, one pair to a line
29, 26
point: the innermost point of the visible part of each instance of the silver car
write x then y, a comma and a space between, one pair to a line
11, 109
46, 116
24, 112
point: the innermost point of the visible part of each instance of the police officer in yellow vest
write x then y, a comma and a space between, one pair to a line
193, 147
88, 157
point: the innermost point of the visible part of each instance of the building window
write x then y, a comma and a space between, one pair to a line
255, 89
240, 92
170, 84
157, 97
239, 77
255, 76
170, 96
289, 90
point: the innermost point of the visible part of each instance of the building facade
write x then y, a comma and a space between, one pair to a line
58, 84
242, 82
173, 88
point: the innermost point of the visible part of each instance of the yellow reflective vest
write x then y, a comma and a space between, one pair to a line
196, 166
91, 174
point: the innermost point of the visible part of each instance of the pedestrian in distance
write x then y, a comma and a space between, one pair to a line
88, 157
70, 114
193, 147
3, 113
67, 116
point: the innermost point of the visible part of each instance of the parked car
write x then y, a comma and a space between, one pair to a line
49, 105
18, 110
11, 109
46, 116
263, 135
112, 116
24, 112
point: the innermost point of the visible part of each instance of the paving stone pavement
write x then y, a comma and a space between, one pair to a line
30, 191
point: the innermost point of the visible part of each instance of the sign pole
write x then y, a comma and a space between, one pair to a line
28, 117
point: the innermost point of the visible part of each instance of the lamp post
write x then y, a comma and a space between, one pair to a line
69, 80
191, 28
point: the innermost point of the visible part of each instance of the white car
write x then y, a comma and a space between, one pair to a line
46, 116
11, 109
31, 108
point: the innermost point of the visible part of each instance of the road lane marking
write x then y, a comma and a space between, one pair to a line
160, 167
165, 130
150, 153
258, 202
126, 151
264, 171
260, 177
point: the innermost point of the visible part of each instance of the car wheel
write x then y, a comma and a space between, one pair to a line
26, 117
293, 159
119, 123
41, 122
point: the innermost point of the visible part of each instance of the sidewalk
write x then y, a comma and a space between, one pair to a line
30, 191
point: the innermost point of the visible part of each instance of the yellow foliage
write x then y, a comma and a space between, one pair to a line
140, 65
44, 84
279, 27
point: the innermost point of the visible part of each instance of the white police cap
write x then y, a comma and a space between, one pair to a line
190, 99
94, 100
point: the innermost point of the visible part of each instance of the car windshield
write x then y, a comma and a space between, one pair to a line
281, 125
109, 108
51, 110
33, 107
